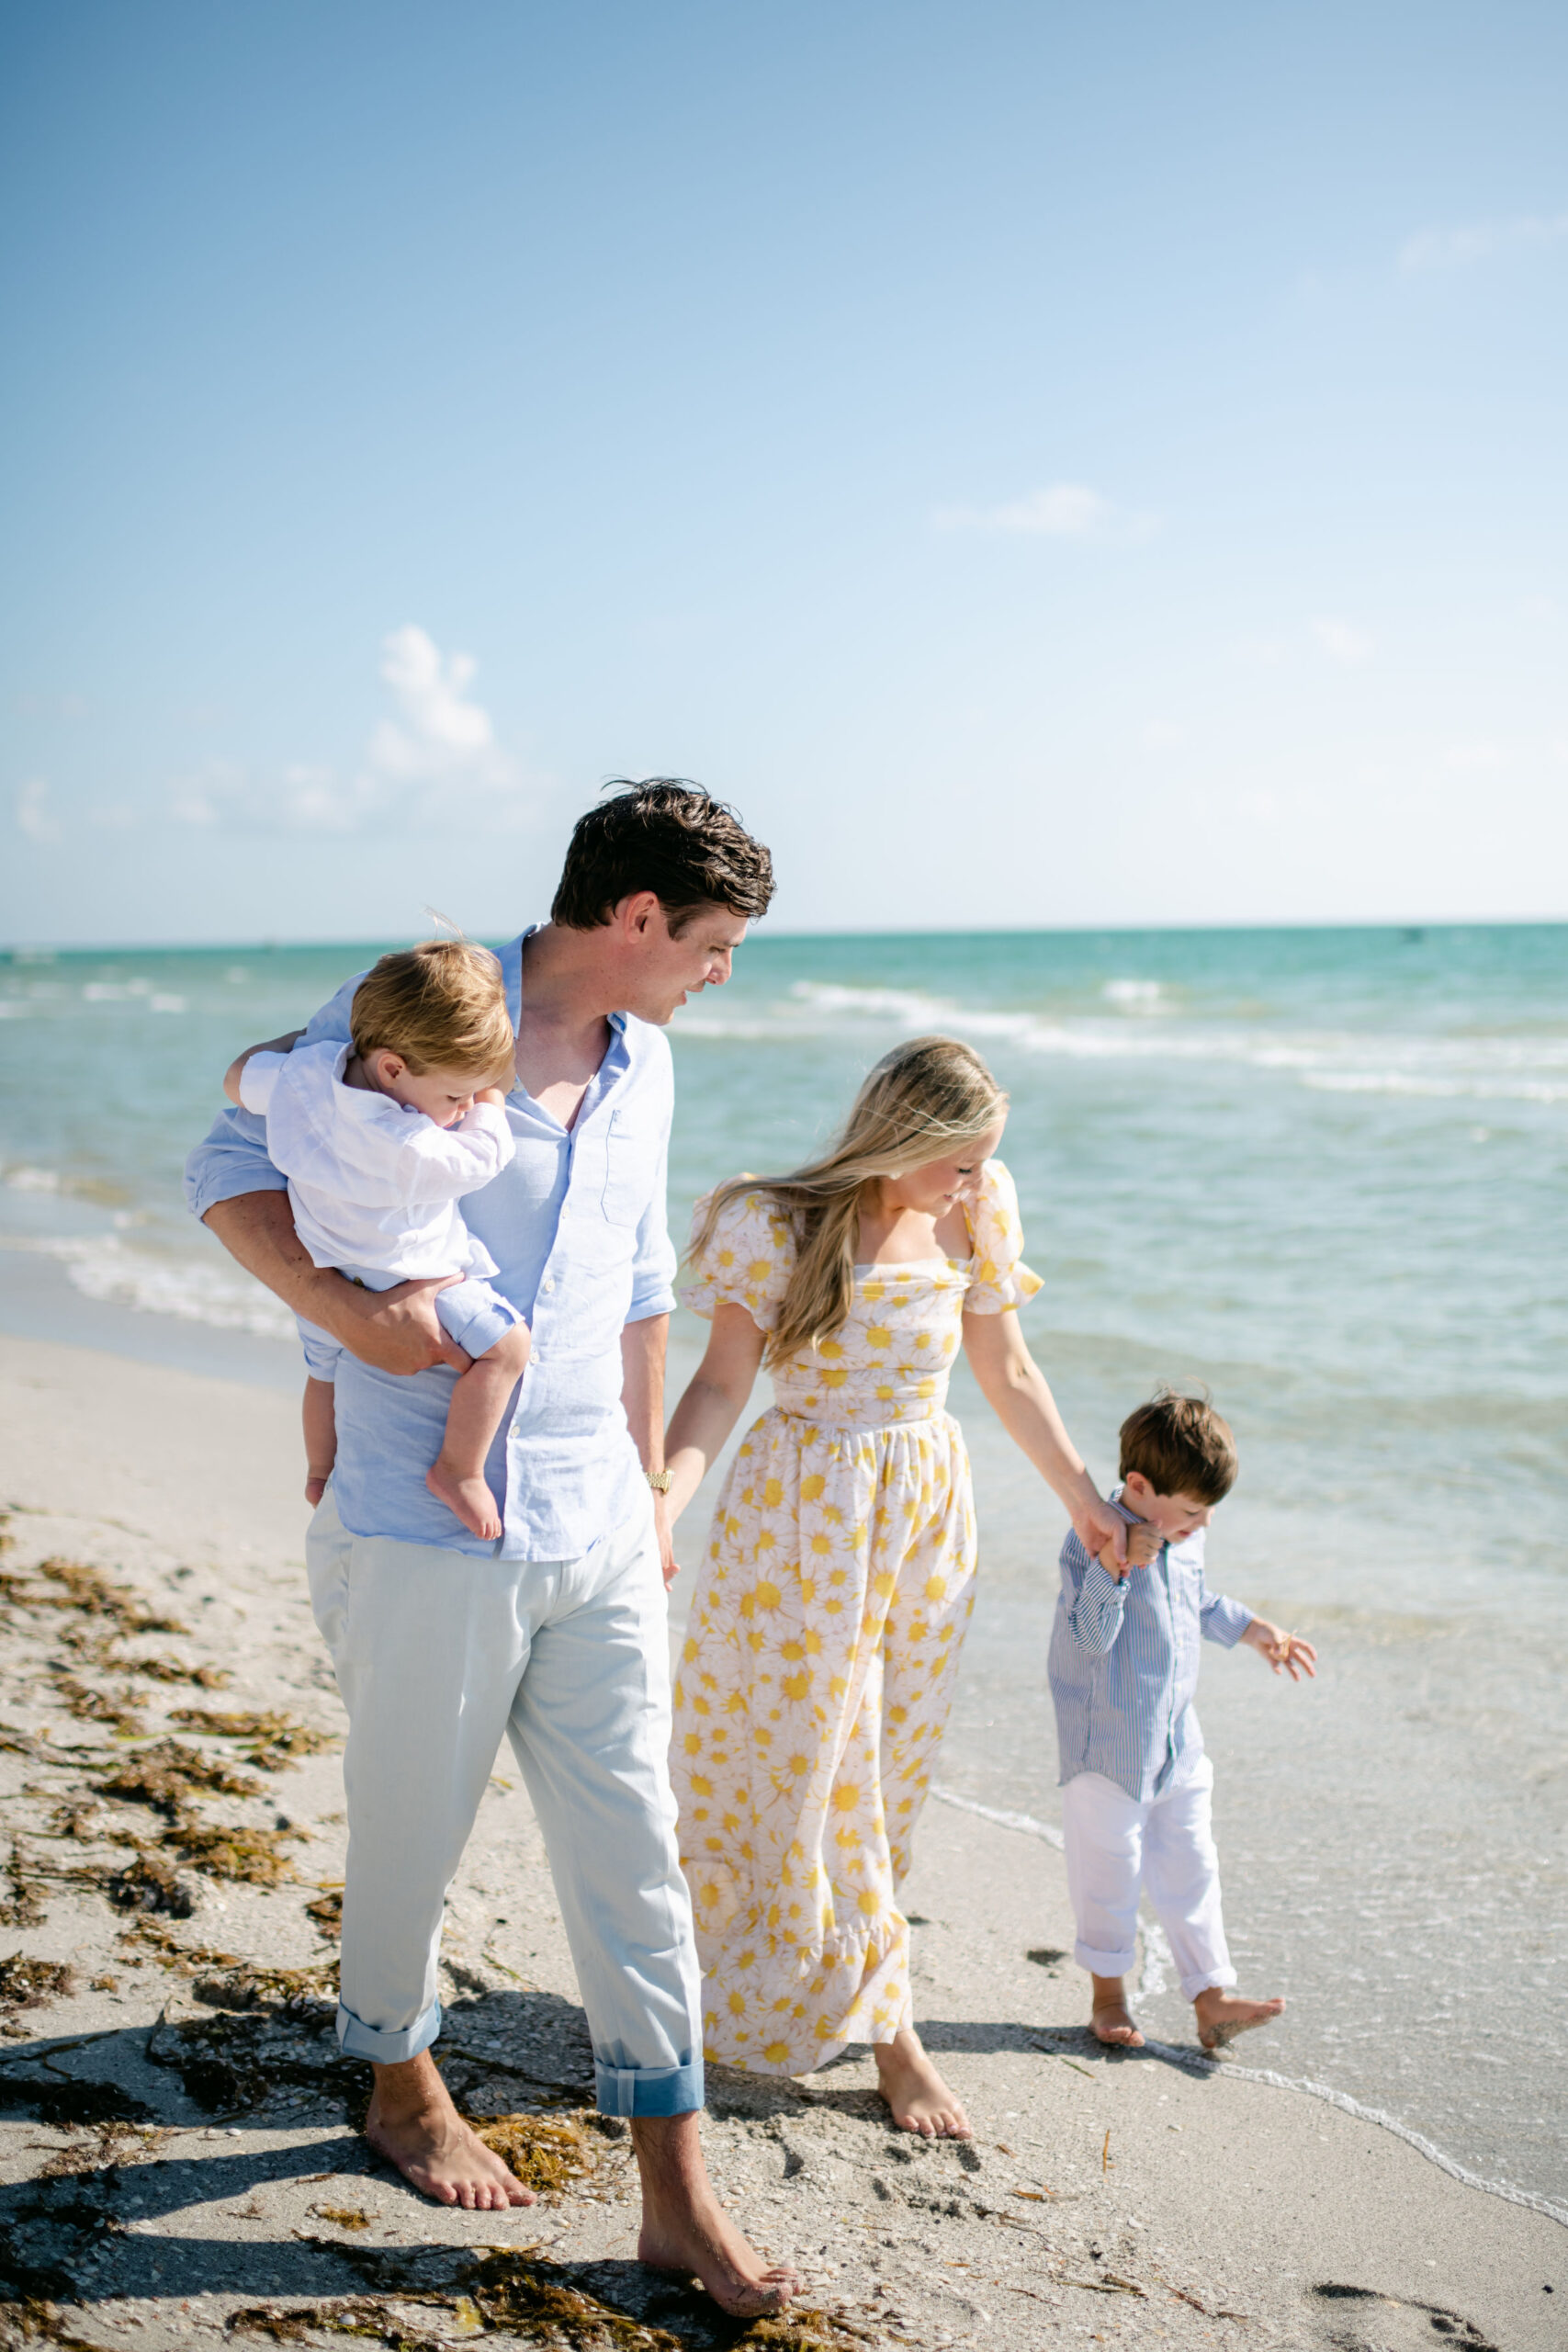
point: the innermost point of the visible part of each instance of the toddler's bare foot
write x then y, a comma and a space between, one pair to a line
918, 2097
314, 1489
470, 1498
1221, 2016
414, 2125
1114, 2025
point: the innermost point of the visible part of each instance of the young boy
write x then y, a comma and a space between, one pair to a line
1123, 1666
380, 1139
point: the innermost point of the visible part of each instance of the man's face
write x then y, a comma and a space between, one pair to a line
667, 968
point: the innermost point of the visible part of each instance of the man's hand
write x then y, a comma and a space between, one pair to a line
1283, 1650
669, 1565
1100, 1528
397, 1331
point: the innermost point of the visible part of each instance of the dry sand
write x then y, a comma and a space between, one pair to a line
178, 2145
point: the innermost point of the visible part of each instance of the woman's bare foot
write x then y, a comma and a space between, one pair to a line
1110, 2020
1221, 2016
414, 2125
686, 2229
470, 1498
918, 2098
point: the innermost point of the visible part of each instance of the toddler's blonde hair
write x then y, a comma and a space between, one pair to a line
930, 1096
440, 1005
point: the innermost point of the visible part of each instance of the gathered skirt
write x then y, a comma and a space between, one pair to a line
812, 1694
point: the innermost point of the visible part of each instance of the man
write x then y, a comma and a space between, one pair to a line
555, 1635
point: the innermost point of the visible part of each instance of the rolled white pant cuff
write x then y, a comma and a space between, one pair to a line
648, 2090
358, 2039
1104, 1963
1213, 1980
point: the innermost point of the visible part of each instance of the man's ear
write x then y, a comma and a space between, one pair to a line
635, 913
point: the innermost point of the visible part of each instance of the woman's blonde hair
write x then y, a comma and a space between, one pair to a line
440, 1005
928, 1097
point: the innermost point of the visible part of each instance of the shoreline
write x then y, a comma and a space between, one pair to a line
1152, 2196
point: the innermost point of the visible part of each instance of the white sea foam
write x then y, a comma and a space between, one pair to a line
32, 1180
106, 1268
1478, 1069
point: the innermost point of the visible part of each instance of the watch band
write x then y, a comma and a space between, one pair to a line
659, 1480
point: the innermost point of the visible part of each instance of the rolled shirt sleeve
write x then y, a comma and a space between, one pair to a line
1223, 1620
1097, 1612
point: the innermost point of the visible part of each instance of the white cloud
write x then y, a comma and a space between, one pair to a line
34, 817
1067, 510
1476, 759
1454, 248
435, 762
1341, 642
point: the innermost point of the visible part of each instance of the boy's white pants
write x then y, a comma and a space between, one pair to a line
437, 1655
1116, 1846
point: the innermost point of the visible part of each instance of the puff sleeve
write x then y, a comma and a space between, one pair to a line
998, 1279
747, 1260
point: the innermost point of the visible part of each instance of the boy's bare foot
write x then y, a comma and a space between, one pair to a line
686, 2229
1109, 2018
414, 2125
1221, 2016
470, 1498
918, 2097
1115, 2026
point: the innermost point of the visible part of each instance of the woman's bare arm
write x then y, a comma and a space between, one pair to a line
1016, 1389
714, 1399
285, 1044
397, 1331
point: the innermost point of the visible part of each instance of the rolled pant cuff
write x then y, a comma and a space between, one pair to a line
1213, 1980
358, 2039
648, 2090
1104, 1963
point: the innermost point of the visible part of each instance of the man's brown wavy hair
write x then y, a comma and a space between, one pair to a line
668, 836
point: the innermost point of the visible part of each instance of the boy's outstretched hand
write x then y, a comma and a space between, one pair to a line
1281, 1649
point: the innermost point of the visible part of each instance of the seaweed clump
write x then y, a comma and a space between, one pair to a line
272, 1741
25, 1984
166, 1775
541, 2155
148, 1883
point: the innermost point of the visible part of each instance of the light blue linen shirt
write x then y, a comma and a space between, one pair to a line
1124, 1663
577, 1226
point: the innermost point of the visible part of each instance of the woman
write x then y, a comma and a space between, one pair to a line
829, 1612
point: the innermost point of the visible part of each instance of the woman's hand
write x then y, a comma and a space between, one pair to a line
715, 1398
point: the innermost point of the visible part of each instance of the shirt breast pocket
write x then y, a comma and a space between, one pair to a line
629, 1156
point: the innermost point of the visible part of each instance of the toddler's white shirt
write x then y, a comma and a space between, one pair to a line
374, 1186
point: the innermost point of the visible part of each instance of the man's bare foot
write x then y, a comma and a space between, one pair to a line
470, 1498
1221, 2016
686, 2229
918, 2097
1110, 2020
414, 2125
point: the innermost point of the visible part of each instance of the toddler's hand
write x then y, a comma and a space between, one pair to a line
1284, 1651
1143, 1545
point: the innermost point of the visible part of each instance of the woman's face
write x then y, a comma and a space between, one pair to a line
940, 1184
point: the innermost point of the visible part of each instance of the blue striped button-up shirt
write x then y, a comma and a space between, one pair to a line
577, 1226
1124, 1663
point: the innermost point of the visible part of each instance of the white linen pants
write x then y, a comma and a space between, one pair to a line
438, 1653
1116, 1847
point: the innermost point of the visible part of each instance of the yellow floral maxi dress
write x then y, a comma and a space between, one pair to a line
824, 1638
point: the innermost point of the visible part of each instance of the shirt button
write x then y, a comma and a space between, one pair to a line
548, 1283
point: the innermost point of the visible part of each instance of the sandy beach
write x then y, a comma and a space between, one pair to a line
179, 2143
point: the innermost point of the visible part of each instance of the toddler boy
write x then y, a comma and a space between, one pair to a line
1123, 1666
380, 1139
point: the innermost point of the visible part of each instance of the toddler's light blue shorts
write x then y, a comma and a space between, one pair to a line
471, 1312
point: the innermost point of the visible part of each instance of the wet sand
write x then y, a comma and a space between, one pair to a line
178, 2155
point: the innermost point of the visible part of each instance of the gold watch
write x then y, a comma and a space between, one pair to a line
659, 1480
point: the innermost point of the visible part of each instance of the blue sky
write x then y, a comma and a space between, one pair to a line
1045, 465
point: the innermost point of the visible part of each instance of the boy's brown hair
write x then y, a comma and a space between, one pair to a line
440, 1005
1181, 1446
668, 836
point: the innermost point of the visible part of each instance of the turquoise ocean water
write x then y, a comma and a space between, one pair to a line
1321, 1171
